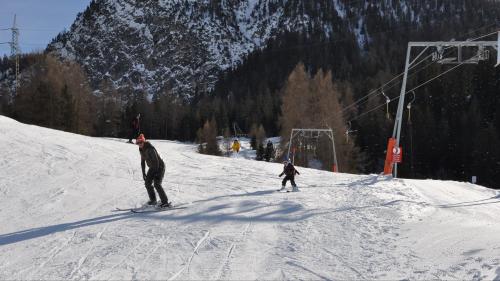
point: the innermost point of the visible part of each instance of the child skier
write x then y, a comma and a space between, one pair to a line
156, 171
236, 146
289, 171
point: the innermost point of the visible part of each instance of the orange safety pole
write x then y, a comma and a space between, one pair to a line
388, 157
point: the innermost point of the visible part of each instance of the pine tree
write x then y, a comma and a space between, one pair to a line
314, 103
260, 152
207, 138
56, 95
227, 141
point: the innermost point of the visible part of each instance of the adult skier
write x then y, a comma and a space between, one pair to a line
155, 173
135, 127
269, 151
289, 171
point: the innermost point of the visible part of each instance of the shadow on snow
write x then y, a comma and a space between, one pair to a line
286, 212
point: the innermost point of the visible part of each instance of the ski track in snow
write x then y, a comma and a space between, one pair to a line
83, 258
188, 263
225, 265
236, 226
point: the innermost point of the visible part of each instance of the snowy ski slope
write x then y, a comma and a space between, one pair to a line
59, 191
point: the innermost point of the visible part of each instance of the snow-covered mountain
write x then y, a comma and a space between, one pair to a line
184, 45
59, 192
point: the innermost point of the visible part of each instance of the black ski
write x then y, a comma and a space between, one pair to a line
149, 208
130, 209
139, 211
285, 190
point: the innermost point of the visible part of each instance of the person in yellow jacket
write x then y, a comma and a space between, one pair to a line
236, 146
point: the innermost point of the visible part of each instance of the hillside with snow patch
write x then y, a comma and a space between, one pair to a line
184, 46
59, 192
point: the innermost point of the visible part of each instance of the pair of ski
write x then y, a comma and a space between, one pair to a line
287, 190
150, 209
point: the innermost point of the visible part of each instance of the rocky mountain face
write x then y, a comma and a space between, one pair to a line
183, 46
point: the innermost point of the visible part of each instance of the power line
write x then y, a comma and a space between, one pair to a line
41, 29
33, 44
31, 28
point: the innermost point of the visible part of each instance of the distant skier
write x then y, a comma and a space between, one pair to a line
289, 171
135, 128
269, 151
156, 171
236, 146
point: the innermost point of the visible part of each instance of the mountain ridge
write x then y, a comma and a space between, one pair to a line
184, 46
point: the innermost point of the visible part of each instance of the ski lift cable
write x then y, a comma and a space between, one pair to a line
397, 97
424, 67
409, 76
375, 91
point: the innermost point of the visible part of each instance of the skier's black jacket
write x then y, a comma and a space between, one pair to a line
150, 156
289, 170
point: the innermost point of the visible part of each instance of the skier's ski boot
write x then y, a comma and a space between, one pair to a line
295, 189
165, 205
282, 188
151, 203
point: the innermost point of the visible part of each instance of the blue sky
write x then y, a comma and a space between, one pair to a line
38, 20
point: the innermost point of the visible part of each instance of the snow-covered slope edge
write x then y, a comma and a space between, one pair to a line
59, 190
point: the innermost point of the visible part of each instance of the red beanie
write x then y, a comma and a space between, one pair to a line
140, 139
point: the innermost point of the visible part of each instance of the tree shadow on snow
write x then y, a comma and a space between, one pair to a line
247, 194
18, 236
471, 203
244, 211
247, 211
366, 181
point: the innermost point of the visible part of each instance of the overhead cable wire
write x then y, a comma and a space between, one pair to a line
393, 85
407, 92
377, 90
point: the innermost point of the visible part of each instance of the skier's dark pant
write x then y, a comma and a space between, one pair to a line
156, 177
291, 178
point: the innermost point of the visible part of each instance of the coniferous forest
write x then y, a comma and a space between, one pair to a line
303, 80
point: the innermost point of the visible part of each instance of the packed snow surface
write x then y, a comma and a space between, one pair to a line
59, 193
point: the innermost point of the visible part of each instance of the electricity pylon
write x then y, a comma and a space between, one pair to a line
15, 50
